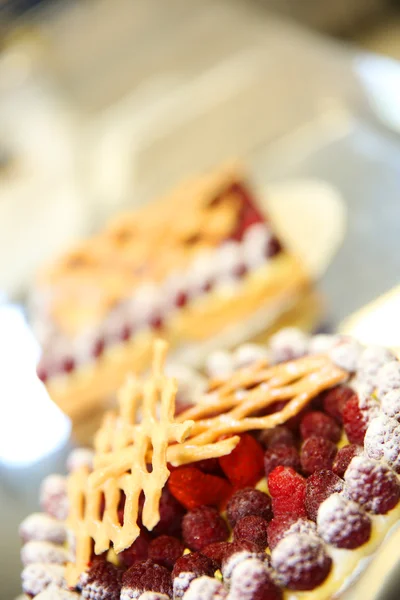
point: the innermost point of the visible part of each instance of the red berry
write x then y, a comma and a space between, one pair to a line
193, 488
248, 502
316, 423
203, 526
102, 580
138, 551
274, 246
301, 562
287, 489
281, 454
285, 525
171, 515
382, 441
126, 333
252, 529
317, 453
355, 420
251, 578
156, 323
42, 373
209, 465
146, 576
277, 435
244, 466
343, 523
195, 563
320, 485
221, 551
344, 457
372, 485
165, 550
68, 365
98, 348
335, 399
53, 496
181, 299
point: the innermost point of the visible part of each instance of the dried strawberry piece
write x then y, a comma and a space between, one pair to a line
287, 489
275, 436
281, 455
137, 551
319, 424
335, 399
145, 576
246, 502
343, 523
252, 529
317, 453
372, 485
244, 466
193, 488
252, 578
344, 457
203, 526
102, 580
285, 525
320, 485
165, 550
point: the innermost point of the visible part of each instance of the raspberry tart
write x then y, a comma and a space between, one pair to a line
202, 268
279, 484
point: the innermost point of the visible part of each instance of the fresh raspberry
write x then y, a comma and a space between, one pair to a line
244, 466
279, 527
301, 562
252, 529
275, 436
355, 420
246, 502
344, 457
37, 577
288, 344
42, 528
192, 488
317, 453
320, 485
145, 576
165, 551
335, 399
372, 485
138, 551
388, 378
43, 552
316, 423
281, 455
287, 489
206, 588
251, 579
102, 581
390, 404
187, 568
223, 550
382, 441
53, 496
203, 526
171, 515
343, 523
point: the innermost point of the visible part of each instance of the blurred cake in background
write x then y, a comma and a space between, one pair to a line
201, 267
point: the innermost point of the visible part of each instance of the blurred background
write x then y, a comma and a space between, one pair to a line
105, 104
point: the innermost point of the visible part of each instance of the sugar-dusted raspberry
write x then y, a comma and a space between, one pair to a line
187, 568
275, 436
206, 588
335, 399
244, 466
382, 441
43, 552
54, 592
388, 378
251, 580
319, 424
139, 550
53, 496
287, 489
317, 453
320, 485
322, 343
252, 529
36, 577
247, 354
344, 457
343, 523
80, 457
41, 527
390, 404
145, 576
165, 550
101, 582
372, 485
346, 354
231, 560
246, 502
203, 526
281, 455
301, 562
373, 358
223, 550
288, 344
193, 488
279, 527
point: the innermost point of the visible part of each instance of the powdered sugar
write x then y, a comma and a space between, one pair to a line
53, 496
302, 526
181, 584
288, 344
38, 576
390, 404
80, 457
297, 557
234, 560
205, 588
247, 354
43, 552
372, 485
219, 364
388, 378
371, 360
153, 596
382, 441
322, 343
346, 354
342, 522
54, 592
249, 577
41, 527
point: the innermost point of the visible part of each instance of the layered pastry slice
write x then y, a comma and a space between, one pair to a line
279, 484
201, 267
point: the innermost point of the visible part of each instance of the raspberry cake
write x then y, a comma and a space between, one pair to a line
202, 268
279, 484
